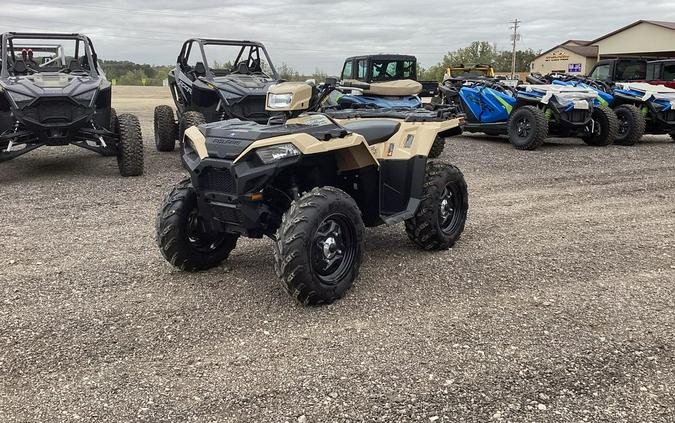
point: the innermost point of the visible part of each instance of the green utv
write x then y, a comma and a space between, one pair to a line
312, 185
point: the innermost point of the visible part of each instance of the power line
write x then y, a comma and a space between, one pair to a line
515, 38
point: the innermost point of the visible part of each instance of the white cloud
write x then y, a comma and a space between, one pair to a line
319, 34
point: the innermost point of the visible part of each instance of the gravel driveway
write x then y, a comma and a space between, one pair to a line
557, 305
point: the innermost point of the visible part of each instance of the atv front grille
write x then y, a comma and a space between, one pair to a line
575, 116
55, 111
219, 180
669, 116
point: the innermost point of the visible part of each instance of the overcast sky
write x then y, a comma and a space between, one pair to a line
309, 34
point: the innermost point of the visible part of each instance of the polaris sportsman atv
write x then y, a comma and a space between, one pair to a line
53, 93
312, 185
215, 80
632, 122
529, 113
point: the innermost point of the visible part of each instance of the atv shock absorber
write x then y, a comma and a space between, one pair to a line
295, 191
100, 138
11, 141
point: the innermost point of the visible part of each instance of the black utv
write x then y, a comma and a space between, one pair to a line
215, 80
53, 93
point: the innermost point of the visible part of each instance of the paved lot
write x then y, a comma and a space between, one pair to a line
557, 305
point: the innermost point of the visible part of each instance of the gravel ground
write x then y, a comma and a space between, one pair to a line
557, 304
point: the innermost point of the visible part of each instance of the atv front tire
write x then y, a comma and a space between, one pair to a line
180, 238
528, 128
437, 147
165, 128
130, 148
319, 246
441, 216
187, 120
606, 127
110, 150
631, 125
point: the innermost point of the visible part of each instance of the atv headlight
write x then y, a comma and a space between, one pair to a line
274, 153
279, 101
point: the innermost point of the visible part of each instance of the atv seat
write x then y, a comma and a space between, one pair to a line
375, 131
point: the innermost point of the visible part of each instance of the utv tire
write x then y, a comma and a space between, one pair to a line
187, 120
319, 246
165, 128
609, 127
178, 235
441, 216
672, 136
130, 148
528, 128
110, 149
631, 125
437, 147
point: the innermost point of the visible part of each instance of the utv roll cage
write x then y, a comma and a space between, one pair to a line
207, 72
82, 43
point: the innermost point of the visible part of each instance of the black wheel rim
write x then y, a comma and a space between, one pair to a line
523, 127
623, 123
449, 208
333, 249
200, 239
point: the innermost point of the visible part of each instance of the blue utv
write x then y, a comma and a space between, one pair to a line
632, 120
528, 114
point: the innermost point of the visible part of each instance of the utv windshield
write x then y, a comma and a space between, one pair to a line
393, 70
31, 54
223, 60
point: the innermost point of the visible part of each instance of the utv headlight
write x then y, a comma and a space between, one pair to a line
18, 98
274, 153
279, 101
86, 97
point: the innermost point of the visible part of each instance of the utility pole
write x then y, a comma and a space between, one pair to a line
515, 37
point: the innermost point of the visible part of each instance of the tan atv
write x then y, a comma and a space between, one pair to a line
391, 100
312, 185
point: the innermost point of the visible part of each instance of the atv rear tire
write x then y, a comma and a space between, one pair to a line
110, 149
179, 237
606, 119
437, 147
631, 125
441, 216
528, 128
187, 120
130, 148
165, 128
319, 246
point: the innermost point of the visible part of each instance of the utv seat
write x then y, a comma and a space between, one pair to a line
375, 131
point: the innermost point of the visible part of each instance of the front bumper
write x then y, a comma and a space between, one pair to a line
230, 195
